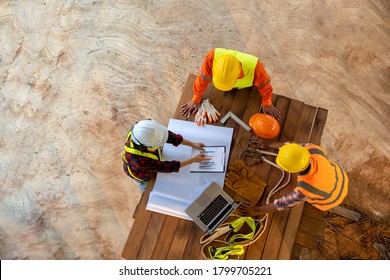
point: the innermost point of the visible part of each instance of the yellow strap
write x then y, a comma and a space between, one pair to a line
237, 224
129, 170
223, 253
235, 246
140, 153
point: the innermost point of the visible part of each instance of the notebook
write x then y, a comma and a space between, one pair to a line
211, 208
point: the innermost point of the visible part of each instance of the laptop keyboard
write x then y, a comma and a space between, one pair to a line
213, 209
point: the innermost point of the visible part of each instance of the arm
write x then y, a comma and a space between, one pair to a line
194, 145
201, 82
174, 139
149, 165
203, 78
263, 83
250, 209
267, 144
289, 200
198, 158
177, 139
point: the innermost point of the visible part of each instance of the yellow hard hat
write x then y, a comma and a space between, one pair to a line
226, 70
293, 158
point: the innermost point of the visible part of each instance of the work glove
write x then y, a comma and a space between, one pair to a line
243, 181
211, 113
200, 116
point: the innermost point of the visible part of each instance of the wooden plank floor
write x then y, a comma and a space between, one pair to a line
158, 236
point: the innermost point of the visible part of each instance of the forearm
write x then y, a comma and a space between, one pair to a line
263, 84
199, 87
186, 162
276, 145
266, 94
290, 200
187, 142
194, 145
268, 208
203, 78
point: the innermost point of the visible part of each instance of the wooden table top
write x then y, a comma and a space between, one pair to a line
158, 236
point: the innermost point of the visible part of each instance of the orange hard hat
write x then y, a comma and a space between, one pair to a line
265, 126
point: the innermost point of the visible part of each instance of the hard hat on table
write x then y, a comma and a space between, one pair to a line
264, 125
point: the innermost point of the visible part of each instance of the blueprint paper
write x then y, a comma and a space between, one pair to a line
174, 192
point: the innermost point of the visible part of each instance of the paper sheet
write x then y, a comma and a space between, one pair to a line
174, 192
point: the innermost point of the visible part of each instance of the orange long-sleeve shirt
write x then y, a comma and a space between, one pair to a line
261, 80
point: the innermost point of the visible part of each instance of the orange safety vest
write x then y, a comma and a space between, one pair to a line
132, 150
248, 63
326, 184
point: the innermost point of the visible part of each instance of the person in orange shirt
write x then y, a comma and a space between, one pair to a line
229, 69
320, 181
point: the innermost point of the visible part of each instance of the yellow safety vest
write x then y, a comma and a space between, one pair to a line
134, 151
326, 183
248, 63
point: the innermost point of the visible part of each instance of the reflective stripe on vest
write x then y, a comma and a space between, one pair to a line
331, 196
248, 63
134, 151
205, 77
129, 170
315, 151
318, 202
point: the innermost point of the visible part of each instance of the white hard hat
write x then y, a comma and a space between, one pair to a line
149, 133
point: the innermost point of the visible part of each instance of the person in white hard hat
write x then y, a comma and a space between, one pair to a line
142, 157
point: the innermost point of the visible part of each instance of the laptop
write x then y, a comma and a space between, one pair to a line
211, 208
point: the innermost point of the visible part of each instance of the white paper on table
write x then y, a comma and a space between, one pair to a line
174, 192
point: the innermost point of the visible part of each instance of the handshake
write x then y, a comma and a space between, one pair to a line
206, 112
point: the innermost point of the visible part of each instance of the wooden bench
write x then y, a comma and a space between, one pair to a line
158, 236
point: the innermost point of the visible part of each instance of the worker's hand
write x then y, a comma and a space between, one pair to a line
273, 111
249, 209
200, 117
200, 157
197, 145
262, 143
189, 108
211, 113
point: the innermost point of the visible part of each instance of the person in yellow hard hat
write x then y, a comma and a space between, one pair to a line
142, 158
229, 69
320, 181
